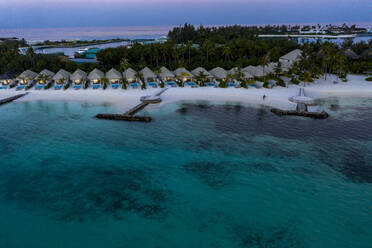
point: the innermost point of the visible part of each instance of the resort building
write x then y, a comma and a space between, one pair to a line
114, 77
255, 71
167, 77
149, 77
185, 77
291, 57
201, 72
6, 79
78, 78
44, 77
27, 77
130, 76
219, 73
96, 77
61, 78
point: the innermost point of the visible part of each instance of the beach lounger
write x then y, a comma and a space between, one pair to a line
134, 85
171, 84
96, 86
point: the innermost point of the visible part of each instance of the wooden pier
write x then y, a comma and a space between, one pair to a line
12, 98
130, 114
315, 115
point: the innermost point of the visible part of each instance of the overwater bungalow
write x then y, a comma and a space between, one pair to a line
78, 78
150, 77
130, 76
167, 77
114, 77
61, 78
44, 77
203, 74
26, 78
96, 78
185, 77
7, 79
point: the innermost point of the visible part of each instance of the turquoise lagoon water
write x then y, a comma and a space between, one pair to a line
200, 175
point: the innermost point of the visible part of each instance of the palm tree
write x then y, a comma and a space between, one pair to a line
201, 77
189, 46
226, 51
207, 46
265, 60
124, 64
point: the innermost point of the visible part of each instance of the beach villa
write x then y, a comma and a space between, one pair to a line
149, 77
26, 78
114, 77
291, 57
61, 78
78, 78
167, 77
6, 79
44, 77
185, 77
221, 75
95, 77
204, 75
130, 76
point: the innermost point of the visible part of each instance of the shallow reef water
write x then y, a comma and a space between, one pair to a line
202, 174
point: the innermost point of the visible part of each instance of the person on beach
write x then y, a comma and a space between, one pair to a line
263, 97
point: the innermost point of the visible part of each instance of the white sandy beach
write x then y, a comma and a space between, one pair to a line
276, 97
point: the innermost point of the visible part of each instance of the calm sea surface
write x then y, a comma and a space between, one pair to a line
201, 174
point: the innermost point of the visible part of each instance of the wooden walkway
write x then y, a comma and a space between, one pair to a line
12, 98
130, 114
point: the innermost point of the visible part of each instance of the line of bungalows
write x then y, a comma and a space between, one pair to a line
114, 78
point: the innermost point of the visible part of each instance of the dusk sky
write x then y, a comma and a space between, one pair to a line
75, 13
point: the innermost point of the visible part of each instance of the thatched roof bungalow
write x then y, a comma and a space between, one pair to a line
148, 75
291, 57
183, 74
219, 73
27, 76
166, 75
96, 76
130, 75
113, 76
78, 76
62, 76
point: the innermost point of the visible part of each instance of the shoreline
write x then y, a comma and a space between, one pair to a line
276, 97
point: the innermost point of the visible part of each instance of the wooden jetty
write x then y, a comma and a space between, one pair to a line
130, 114
315, 115
12, 98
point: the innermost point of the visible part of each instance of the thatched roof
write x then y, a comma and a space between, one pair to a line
182, 71
165, 73
62, 74
28, 75
78, 75
129, 74
147, 73
351, 54
197, 71
96, 75
218, 72
234, 71
47, 73
113, 75
292, 56
255, 71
